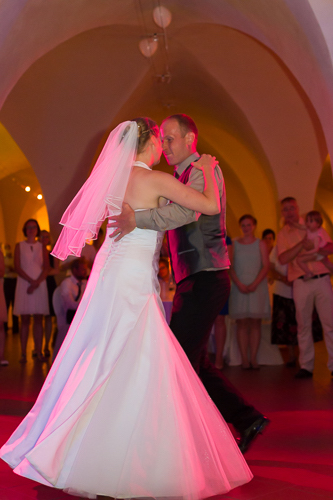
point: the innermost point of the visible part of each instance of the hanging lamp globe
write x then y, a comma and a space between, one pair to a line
162, 16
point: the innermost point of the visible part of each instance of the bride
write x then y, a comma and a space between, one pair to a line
122, 413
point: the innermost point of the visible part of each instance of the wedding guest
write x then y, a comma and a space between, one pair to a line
220, 327
9, 286
165, 279
72, 288
3, 313
31, 299
284, 324
51, 284
71, 292
268, 236
249, 298
89, 252
164, 270
317, 291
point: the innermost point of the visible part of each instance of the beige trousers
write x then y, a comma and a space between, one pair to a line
315, 292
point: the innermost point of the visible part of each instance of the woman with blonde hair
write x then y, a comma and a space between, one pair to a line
249, 298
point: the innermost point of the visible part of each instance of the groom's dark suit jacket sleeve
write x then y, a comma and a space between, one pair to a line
173, 215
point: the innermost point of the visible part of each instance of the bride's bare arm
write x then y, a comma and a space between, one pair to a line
207, 202
169, 217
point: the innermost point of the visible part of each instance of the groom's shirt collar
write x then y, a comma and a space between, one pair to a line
184, 164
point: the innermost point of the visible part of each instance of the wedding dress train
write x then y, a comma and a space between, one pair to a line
122, 413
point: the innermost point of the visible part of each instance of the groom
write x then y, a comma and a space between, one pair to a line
199, 260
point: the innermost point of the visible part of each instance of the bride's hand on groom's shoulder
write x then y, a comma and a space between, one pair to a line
205, 162
124, 223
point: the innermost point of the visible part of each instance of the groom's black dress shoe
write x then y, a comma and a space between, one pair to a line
302, 373
247, 436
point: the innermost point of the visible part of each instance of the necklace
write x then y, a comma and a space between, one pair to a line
31, 246
141, 164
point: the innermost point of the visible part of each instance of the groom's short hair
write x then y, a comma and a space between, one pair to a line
186, 124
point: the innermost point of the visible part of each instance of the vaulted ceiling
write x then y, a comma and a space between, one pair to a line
256, 76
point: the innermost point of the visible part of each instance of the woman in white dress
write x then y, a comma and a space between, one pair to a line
31, 299
122, 413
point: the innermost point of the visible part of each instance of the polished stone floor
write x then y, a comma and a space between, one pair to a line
292, 460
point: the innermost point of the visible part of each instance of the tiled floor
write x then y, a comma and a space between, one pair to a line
293, 460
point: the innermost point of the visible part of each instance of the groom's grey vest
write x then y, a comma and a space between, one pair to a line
199, 245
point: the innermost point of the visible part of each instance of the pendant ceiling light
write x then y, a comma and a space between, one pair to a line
162, 16
148, 46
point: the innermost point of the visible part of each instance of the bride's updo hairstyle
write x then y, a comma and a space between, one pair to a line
146, 128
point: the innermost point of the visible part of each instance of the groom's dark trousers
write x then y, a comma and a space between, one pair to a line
198, 300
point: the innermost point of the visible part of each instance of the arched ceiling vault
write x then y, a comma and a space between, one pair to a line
12, 158
288, 27
257, 79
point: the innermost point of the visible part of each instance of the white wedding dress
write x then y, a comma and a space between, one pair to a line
122, 413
